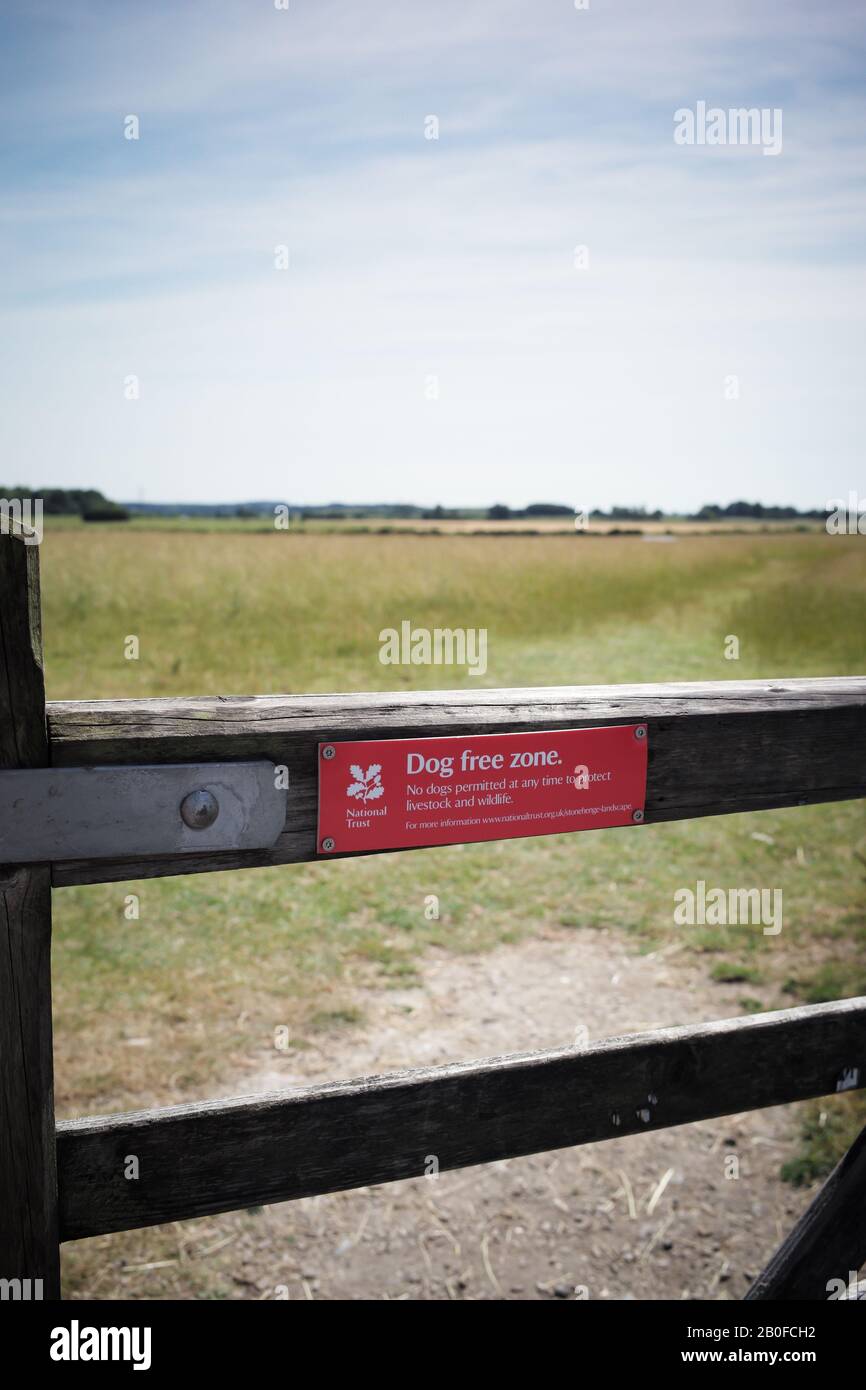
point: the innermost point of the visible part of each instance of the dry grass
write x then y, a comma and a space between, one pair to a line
244, 614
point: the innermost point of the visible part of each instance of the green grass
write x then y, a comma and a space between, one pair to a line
730, 972
828, 1130
242, 614
216, 962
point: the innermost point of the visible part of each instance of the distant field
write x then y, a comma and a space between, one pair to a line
184, 1002
546, 526
285, 611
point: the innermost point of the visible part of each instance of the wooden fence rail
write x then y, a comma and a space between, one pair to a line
194, 1160
714, 746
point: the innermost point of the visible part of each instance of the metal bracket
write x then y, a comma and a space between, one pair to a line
48, 814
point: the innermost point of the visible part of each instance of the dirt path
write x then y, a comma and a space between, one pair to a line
649, 1216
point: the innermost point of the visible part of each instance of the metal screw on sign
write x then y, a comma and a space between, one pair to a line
640, 731
328, 845
199, 809
637, 815
329, 751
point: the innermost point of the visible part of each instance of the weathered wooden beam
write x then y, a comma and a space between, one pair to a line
29, 1247
199, 1159
714, 747
828, 1242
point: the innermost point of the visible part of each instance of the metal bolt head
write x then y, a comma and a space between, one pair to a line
199, 809
328, 845
329, 751
640, 731
637, 816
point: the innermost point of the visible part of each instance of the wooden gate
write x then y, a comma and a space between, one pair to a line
714, 748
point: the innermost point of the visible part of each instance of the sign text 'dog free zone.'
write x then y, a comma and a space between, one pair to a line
402, 793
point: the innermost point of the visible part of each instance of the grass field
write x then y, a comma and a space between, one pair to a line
240, 614
183, 1002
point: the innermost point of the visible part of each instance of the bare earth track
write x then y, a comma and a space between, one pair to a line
646, 1217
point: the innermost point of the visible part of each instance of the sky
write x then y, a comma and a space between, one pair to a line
438, 335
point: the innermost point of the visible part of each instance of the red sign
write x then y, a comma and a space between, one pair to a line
399, 793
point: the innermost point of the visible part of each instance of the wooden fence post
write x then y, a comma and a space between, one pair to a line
29, 1248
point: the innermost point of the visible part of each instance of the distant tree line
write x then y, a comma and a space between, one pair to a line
627, 514
757, 511
92, 505
87, 503
709, 512
499, 512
